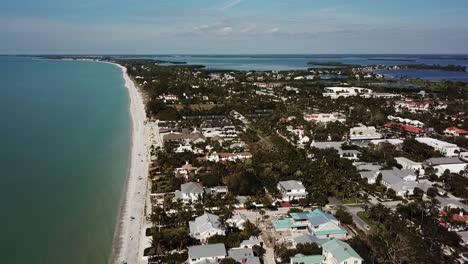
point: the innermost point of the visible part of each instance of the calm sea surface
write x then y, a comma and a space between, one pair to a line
64, 154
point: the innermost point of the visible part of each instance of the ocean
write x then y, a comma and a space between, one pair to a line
65, 149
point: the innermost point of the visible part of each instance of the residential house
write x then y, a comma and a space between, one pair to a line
189, 192
407, 164
350, 154
445, 148
243, 255
339, 252
251, 242
440, 165
309, 239
402, 182
302, 259
292, 190
185, 169
362, 132
237, 220
205, 226
206, 254
317, 223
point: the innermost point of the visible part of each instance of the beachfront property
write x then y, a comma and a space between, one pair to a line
445, 148
185, 170
205, 226
325, 118
206, 254
336, 92
243, 255
455, 132
363, 132
317, 223
291, 190
189, 192
440, 165
339, 252
350, 154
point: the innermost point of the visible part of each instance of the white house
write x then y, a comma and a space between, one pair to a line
363, 132
189, 192
237, 220
336, 92
339, 252
402, 182
410, 165
350, 154
325, 118
243, 255
440, 165
292, 190
205, 226
445, 148
204, 254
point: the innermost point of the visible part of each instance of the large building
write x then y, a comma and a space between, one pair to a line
440, 165
325, 118
445, 148
362, 132
336, 92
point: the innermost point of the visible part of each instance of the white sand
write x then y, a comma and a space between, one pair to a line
130, 240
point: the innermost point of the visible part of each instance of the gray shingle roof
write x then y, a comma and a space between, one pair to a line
446, 160
291, 185
191, 187
243, 253
205, 251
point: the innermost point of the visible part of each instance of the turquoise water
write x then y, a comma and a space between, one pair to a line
64, 157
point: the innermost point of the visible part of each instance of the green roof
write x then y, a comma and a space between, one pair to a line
285, 223
301, 259
340, 250
330, 232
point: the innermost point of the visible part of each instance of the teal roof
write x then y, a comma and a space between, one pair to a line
301, 259
340, 250
330, 232
285, 223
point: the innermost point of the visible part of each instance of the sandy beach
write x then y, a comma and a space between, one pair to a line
129, 239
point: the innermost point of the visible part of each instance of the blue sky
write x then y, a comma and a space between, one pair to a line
233, 26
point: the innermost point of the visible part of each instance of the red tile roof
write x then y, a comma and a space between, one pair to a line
457, 130
407, 128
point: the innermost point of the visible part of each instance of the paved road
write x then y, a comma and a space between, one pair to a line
353, 210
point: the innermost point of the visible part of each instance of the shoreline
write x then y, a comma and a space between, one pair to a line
131, 221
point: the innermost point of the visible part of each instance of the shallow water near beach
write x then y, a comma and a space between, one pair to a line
65, 146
